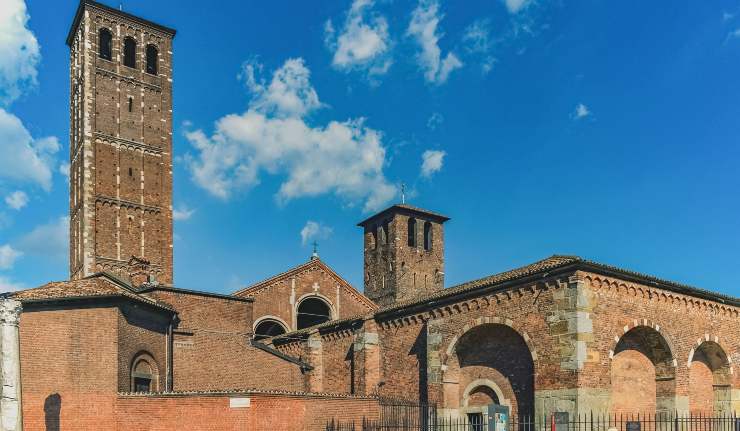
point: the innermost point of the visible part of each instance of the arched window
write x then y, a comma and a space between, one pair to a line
151, 59
427, 236
412, 232
313, 311
268, 328
105, 44
129, 52
130, 104
143, 373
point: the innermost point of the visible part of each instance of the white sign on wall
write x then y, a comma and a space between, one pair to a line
239, 403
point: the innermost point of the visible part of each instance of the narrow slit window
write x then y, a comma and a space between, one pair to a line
427, 236
412, 232
129, 52
130, 104
130, 172
151, 59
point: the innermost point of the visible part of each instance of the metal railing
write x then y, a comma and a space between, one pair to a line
423, 418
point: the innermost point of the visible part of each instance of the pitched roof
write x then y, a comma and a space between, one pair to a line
541, 267
253, 289
406, 209
562, 262
96, 286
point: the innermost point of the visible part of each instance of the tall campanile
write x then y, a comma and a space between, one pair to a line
120, 144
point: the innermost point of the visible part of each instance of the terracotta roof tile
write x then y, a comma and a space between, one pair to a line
98, 285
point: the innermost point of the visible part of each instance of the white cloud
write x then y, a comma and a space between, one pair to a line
477, 36
726, 16
50, 239
478, 42
64, 169
182, 213
580, 112
313, 231
435, 120
363, 43
734, 34
19, 51
423, 28
17, 200
514, 6
431, 162
289, 94
25, 159
6, 285
8, 256
344, 158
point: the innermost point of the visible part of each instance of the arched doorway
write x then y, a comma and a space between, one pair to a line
267, 328
709, 380
643, 374
313, 311
490, 364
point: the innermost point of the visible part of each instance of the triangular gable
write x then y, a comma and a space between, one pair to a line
313, 263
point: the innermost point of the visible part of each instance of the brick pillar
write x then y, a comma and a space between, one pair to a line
366, 350
432, 360
315, 356
10, 366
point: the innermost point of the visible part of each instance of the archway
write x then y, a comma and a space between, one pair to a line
491, 364
313, 311
267, 328
710, 380
643, 373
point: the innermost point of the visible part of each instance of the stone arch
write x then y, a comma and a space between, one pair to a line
710, 377
309, 310
489, 353
144, 373
262, 328
642, 370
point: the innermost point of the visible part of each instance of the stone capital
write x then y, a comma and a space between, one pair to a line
10, 311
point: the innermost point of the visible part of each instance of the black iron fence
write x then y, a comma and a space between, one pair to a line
423, 418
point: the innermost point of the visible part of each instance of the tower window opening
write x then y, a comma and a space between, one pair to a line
151, 59
130, 104
129, 52
427, 236
105, 39
130, 172
412, 232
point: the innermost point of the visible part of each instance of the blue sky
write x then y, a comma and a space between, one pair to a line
610, 130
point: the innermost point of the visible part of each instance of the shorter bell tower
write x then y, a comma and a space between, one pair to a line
404, 254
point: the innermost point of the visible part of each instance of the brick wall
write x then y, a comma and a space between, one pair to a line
683, 324
212, 348
278, 412
141, 329
69, 365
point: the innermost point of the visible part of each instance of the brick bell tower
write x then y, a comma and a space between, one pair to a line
404, 254
120, 144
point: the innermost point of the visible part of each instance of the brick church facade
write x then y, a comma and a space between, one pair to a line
119, 346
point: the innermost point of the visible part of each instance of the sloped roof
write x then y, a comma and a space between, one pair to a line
561, 262
264, 284
96, 286
406, 209
541, 267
